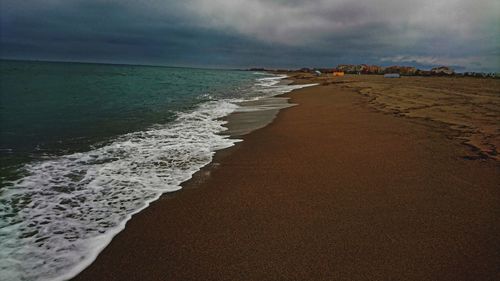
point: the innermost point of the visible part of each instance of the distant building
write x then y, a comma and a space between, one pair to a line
442, 70
392, 75
338, 73
402, 70
407, 70
423, 72
372, 69
347, 68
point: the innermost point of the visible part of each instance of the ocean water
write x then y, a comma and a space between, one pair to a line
83, 147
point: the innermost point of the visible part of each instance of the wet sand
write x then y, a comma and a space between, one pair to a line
333, 189
254, 115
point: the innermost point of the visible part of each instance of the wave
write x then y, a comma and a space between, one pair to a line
70, 207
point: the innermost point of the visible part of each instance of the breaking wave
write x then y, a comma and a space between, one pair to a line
69, 207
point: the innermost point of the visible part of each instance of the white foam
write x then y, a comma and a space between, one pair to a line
71, 206
61, 215
271, 86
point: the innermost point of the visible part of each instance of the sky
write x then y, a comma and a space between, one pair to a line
463, 34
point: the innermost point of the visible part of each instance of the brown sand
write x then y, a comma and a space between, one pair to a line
467, 108
331, 190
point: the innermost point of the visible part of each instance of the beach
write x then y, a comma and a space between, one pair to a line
357, 181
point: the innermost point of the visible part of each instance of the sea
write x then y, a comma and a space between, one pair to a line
83, 147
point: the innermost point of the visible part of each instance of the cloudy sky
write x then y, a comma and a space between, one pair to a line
247, 33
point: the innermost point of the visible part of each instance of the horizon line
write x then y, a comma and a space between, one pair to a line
209, 67
119, 64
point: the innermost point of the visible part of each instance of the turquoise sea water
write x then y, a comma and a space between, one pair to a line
83, 147
57, 108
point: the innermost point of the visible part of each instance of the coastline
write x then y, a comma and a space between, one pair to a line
295, 200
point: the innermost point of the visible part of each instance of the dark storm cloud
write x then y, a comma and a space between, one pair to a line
89, 30
250, 33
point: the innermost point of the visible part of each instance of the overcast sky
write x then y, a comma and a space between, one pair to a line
245, 33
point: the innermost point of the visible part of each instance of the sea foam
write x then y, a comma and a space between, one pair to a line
66, 209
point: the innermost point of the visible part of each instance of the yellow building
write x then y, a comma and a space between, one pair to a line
338, 73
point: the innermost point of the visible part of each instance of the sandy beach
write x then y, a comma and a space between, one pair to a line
364, 179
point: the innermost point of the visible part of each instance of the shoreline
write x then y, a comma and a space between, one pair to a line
206, 192
250, 115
